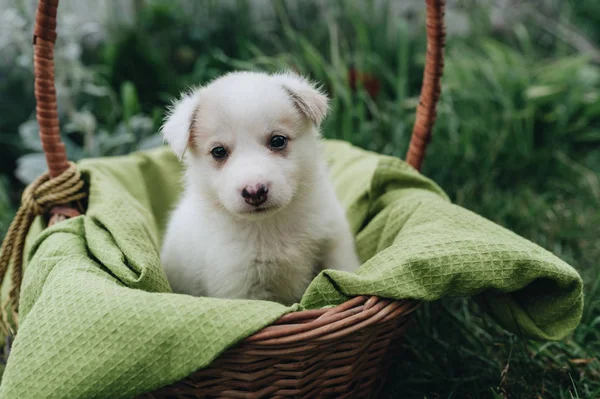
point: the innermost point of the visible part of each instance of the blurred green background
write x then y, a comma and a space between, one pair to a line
517, 138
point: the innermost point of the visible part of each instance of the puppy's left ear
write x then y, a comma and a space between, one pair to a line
307, 98
178, 123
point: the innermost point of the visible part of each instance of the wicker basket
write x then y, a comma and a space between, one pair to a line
342, 352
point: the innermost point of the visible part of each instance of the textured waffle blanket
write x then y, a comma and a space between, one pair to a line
98, 318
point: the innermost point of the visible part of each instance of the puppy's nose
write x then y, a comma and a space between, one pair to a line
256, 195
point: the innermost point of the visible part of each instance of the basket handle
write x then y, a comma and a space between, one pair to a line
431, 87
44, 37
45, 91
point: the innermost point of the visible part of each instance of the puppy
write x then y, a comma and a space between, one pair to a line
258, 217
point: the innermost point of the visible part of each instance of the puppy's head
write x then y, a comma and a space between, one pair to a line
251, 140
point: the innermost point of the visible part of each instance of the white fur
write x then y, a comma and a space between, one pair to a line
216, 244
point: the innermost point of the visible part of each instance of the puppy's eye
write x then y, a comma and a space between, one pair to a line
218, 152
278, 142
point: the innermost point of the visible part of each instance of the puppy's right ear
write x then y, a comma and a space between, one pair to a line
178, 124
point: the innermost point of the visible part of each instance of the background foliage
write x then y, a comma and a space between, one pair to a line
517, 138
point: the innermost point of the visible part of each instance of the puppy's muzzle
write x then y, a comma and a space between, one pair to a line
255, 196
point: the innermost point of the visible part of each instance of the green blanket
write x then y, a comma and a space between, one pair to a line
98, 318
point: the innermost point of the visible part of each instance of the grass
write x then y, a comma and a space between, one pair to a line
517, 141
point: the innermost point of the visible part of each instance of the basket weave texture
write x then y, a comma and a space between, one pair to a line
342, 352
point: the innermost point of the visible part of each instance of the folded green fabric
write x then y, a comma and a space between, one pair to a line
98, 318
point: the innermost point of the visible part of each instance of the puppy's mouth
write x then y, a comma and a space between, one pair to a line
263, 209
260, 210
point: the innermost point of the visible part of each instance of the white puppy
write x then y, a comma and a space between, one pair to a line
258, 217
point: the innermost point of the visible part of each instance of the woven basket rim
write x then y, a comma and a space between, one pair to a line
331, 323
